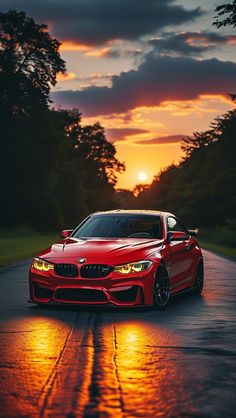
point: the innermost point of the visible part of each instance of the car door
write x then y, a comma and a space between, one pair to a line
180, 256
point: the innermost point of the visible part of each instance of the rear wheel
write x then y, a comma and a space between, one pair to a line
161, 293
199, 282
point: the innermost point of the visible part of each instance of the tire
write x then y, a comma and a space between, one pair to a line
199, 282
161, 291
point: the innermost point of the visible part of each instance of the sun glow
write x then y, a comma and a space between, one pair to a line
142, 176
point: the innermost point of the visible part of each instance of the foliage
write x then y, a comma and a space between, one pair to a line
226, 234
55, 170
125, 199
93, 148
201, 188
29, 63
228, 9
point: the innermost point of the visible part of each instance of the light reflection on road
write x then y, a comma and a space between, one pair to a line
142, 361
152, 380
87, 363
29, 348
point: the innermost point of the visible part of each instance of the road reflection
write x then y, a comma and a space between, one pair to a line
151, 374
30, 347
105, 363
45, 340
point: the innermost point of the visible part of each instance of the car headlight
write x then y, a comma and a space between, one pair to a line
42, 265
136, 267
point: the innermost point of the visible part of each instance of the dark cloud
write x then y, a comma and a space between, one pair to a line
158, 79
95, 22
190, 43
119, 134
113, 53
162, 140
123, 53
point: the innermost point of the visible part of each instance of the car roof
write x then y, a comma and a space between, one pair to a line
133, 212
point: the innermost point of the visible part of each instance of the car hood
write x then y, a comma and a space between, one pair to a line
104, 251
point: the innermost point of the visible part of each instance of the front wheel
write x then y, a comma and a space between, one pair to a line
161, 293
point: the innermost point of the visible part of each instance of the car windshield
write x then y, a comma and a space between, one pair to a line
120, 226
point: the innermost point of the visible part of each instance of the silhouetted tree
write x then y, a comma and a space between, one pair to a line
139, 188
228, 10
125, 199
29, 63
201, 188
53, 170
190, 145
93, 148
96, 161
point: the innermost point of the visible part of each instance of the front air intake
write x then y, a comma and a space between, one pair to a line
80, 295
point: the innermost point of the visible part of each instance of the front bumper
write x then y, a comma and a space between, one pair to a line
120, 291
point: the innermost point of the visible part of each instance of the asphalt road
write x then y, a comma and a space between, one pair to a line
88, 363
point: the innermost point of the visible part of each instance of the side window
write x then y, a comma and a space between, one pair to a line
173, 225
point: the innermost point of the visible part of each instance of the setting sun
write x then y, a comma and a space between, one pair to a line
142, 176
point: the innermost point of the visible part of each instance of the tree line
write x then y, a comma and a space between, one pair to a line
201, 189
54, 170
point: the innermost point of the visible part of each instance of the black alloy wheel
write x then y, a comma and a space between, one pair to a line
161, 294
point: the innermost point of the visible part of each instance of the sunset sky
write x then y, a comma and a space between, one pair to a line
150, 71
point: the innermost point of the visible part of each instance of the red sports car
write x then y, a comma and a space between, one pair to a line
120, 257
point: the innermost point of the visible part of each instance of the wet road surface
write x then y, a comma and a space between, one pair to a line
79, 362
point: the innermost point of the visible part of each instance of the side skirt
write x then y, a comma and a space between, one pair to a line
182, 292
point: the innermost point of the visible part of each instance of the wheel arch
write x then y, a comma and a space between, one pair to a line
200, 264
199, 284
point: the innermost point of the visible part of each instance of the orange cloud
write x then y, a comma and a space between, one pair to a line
71, 46
65, 77
98, 53
231, 40
162, 140
208, 39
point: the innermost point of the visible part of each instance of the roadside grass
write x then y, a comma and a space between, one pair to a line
21, 244
218, 248
212, 240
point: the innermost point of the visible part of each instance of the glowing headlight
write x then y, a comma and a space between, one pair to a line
42, 265
136, 267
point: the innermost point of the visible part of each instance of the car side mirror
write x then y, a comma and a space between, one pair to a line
65, 233
176, 236
169, 236
193, 232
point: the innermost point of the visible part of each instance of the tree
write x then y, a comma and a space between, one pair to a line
95, 157
29, 63
191, 145
201, 188
229, 10
93, 148
125, 199
31, 135
54, 171
139, 188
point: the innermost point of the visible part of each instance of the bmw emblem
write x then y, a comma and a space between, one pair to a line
81, 260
